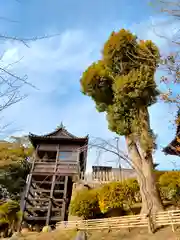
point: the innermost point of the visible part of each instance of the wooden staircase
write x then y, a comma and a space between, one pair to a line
46, 199
48, 191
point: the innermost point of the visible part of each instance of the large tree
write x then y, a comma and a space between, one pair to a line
122, 84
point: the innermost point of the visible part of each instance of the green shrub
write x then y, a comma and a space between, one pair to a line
10, 214
122, 195
10, 211
170, 178
118, 195
110, 197
85, 204
169, 185
158, 174
134, 189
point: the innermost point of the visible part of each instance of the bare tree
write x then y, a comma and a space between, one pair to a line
11, 83
171, 63
170, 9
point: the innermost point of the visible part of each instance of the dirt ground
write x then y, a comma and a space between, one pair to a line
134, 234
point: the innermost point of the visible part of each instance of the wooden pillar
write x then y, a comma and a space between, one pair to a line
29, 181
50, 200
85, 157
78, 164
25, 199
28, 185
34, 159
36, 153
63, 213
52, 189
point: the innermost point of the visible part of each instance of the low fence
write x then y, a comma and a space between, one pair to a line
165, 218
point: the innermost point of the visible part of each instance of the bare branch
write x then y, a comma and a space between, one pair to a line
99, 143
25, 41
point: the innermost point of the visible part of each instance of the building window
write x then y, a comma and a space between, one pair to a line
67, 156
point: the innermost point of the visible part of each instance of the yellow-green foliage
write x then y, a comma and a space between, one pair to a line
117, 195
170, 178
158, 173
13, 152
85, 204
122, 81
14, 166
91, 203
10, 213
169, 184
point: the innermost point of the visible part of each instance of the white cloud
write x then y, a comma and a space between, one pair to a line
54, 65
71, 51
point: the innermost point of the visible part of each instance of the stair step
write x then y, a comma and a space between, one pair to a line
47, 182
42, 208
47, 191
46, 199
36, 208
59, 218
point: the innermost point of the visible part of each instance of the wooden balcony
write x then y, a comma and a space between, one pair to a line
62, 168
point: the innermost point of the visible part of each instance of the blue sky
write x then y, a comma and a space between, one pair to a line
55, 64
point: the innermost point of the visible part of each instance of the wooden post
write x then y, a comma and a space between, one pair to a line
103, 176
29, 177
113, 178
171, 219
107, 176
34, 159
25, 198
64, 197
76, 225
78, 164
52, 189
150, 224
93, 176
50, 200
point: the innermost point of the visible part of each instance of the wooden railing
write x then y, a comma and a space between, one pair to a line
62, 167
41, 166
108, 176
165, 218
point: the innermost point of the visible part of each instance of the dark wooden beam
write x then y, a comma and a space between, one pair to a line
64, 197
47, 182
52, 188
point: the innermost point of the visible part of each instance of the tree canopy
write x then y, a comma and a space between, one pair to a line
122, 83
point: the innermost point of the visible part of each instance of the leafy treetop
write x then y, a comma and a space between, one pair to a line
122, 82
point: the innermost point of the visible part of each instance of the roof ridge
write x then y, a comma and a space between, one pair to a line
56, 131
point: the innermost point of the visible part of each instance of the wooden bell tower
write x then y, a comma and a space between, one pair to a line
57, 163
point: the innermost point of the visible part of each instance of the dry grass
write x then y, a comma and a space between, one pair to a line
135, 234
55, 235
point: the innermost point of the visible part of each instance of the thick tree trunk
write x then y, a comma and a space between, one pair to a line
146, 143
151, 202
151, 187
